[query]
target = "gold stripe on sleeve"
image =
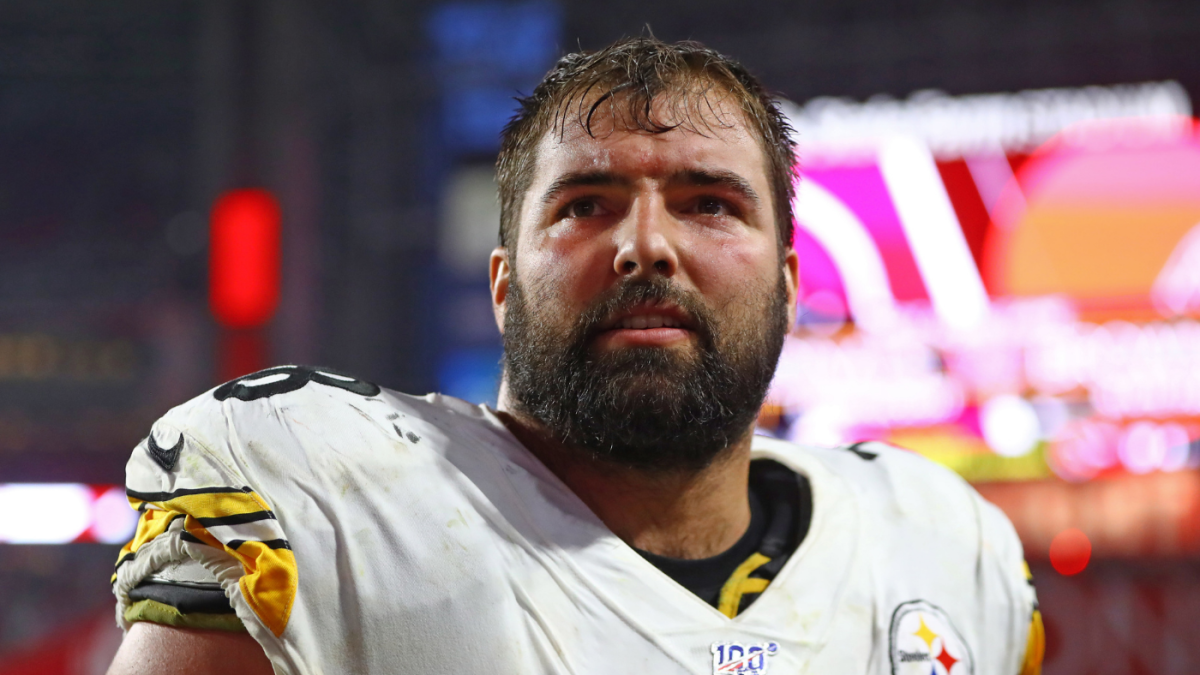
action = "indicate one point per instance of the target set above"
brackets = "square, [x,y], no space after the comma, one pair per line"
[157,612]
[1035,646]
[151,523]
[270,576]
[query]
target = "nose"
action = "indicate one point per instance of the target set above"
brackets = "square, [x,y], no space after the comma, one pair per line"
[646,241]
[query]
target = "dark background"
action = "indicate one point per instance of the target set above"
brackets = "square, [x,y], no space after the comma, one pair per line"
[121,121]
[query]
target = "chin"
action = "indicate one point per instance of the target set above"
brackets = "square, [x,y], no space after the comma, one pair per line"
[658,382]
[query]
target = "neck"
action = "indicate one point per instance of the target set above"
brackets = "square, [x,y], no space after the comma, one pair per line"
[692,514]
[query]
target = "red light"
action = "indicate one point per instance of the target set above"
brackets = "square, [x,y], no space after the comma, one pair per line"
[241,352]
[244,258]
[1070,551]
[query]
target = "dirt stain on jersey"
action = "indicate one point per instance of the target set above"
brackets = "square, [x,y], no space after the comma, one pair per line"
[461,520]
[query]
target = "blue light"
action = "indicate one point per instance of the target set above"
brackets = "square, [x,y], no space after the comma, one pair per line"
[474,117]
[496,39]
[471,374]
[487,53]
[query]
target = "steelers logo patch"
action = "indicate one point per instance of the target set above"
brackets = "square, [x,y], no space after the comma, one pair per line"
[922,641]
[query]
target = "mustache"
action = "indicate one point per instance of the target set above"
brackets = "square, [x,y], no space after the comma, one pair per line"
[633,292]
[649,409]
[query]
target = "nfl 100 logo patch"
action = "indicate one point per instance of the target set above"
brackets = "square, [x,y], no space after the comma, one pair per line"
[922,641]
[733,658]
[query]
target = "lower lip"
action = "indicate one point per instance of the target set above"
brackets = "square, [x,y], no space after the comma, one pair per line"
[644,337]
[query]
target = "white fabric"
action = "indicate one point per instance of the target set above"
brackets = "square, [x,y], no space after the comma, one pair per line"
[428,540]
[188,572]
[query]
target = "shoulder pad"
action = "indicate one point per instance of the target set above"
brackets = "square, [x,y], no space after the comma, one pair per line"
[895,481]
[193,476]
[286,379]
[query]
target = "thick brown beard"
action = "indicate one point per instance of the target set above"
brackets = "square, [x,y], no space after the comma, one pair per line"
[644,408]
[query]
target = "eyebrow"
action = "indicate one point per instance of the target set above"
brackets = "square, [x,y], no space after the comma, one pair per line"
[695,177]
[576,179]
[720,178]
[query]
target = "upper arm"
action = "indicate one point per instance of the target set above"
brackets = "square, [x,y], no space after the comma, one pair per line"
[199,509]
[1001,541]
[154,649]
[941,500]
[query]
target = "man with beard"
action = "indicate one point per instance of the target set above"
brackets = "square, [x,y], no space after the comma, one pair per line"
[616,512]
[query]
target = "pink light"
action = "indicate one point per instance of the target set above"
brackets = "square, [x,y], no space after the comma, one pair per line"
[818,273]
[861,188]
[63,513]
[844,238]
[113,521]
[933,232]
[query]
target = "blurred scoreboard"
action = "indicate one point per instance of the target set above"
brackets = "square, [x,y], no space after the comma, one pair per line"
[1009,284]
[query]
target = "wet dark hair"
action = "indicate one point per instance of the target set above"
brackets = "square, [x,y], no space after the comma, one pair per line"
[624,79]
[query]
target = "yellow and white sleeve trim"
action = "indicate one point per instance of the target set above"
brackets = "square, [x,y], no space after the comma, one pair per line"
[235,520]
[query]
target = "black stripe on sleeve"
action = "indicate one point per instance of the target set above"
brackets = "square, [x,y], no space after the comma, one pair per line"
[237,519]
[124,560]
[187,598]
[271,543]
[191,538]
[183,492]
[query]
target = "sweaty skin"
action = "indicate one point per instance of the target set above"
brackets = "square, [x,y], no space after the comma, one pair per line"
[601,208]
[693,207]
[154,649]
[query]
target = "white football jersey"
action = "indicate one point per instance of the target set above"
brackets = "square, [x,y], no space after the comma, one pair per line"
[358,530]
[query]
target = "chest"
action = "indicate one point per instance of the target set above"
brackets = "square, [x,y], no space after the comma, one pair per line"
[465,586]
[407,559]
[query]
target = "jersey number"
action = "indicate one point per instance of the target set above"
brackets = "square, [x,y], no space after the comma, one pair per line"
[284,379]
[857,449]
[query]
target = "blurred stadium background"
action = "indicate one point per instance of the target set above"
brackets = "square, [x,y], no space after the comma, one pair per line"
[999,228]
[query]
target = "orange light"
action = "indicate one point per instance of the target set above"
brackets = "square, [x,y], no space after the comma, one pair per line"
[244,258]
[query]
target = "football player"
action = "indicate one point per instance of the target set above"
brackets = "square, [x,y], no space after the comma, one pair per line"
[615,513]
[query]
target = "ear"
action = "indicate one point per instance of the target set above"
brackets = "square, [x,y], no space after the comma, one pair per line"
[791,274]
[498,273]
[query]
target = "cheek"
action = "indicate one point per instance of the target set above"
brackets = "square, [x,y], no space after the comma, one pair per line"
[727,267]
[565,271]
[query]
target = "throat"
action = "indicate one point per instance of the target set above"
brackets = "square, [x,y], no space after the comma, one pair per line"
[781,511]
[706,576]
[688,514]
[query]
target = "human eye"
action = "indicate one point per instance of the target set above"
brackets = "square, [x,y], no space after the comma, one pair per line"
[713,206]
[587,207]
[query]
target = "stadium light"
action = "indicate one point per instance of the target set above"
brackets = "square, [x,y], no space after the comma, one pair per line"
[64,513]
[244,262]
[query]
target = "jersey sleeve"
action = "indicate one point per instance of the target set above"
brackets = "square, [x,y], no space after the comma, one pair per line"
[199,509]
[1035,644]
[1010,637]
[1004,556]
[183,595]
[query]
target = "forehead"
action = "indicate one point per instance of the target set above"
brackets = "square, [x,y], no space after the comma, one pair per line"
[712,132]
